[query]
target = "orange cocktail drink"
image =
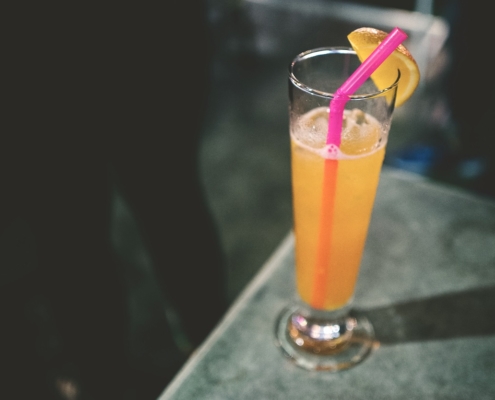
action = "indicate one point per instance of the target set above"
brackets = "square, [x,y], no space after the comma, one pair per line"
[327,267]
[341,102]
[333,190]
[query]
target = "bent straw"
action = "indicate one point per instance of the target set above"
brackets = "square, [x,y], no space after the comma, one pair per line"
[337,106]
[358,77]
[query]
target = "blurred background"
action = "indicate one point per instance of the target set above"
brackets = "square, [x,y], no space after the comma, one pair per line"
[443,132]
[245,161]
[244,152]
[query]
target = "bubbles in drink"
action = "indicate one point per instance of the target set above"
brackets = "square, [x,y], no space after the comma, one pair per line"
[312,128]
[361,133]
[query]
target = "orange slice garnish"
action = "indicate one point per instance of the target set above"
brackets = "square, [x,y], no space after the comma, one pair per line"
[365,40]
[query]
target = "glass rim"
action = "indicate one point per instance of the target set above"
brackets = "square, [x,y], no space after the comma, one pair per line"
[332,50]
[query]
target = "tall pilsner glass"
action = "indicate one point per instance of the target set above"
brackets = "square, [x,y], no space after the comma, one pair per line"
[333,192]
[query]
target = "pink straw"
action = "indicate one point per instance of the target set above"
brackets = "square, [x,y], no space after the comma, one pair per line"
[358,77]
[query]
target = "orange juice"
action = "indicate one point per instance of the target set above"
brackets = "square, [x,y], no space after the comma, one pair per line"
[330,241]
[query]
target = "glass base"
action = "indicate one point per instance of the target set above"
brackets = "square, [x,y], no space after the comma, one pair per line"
[321,340]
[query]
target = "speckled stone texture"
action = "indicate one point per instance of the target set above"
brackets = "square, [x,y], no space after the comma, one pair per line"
[427,283]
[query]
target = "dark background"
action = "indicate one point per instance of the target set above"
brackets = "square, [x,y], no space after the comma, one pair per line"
[240,155]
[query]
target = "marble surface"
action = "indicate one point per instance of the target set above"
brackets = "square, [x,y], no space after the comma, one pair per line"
[427,283]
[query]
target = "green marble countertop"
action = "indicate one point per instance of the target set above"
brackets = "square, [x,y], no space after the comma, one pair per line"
[427,283]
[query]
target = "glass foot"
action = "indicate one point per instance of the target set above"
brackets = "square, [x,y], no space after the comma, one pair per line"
[320,340]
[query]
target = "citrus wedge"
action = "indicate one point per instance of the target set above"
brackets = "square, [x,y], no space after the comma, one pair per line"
[365,40]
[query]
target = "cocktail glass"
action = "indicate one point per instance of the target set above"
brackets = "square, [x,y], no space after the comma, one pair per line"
[333,190]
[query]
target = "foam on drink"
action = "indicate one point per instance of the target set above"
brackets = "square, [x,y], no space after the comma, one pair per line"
[361,134]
